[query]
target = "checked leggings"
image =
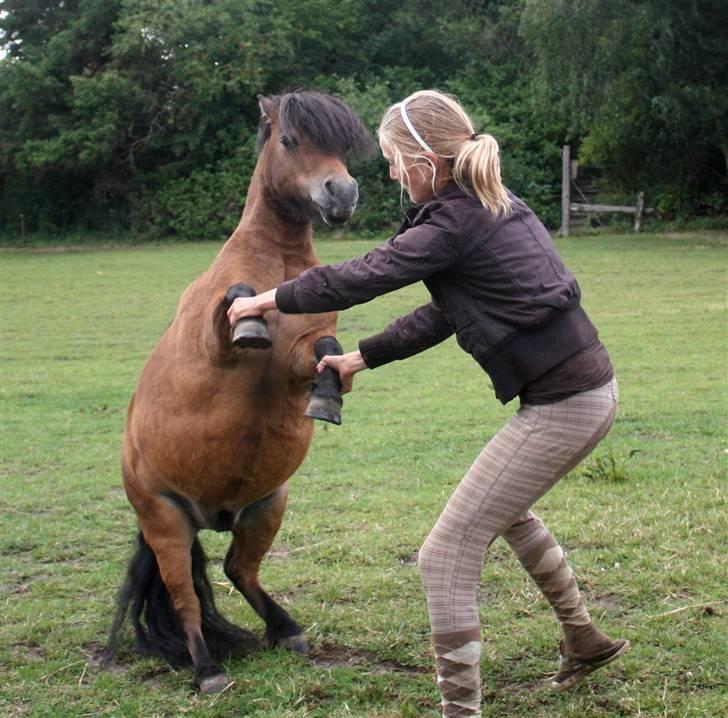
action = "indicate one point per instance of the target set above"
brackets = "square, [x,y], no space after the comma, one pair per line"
[538,446]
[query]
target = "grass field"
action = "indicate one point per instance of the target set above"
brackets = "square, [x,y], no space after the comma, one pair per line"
[644,522]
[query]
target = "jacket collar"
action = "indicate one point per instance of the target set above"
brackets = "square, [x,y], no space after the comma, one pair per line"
[451,190]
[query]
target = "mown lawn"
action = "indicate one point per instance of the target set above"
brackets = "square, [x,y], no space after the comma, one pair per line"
[644,525]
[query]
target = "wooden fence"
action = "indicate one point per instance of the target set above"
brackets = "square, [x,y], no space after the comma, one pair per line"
[568,207]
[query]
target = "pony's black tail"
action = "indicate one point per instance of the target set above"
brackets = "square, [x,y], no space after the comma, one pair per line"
[158,629]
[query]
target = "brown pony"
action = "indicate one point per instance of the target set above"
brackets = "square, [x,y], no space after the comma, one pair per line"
[220,419]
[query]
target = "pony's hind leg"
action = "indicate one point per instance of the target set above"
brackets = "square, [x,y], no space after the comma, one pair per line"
[250,332]
[325,401]
[170,535]
[253,532]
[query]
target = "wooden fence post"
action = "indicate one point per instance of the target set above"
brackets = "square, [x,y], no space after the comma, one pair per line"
[638,211]
[565,189]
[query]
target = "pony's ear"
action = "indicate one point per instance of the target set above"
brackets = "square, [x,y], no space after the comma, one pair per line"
[267,107]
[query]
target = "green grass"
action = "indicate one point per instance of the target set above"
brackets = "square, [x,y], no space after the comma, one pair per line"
[644,522]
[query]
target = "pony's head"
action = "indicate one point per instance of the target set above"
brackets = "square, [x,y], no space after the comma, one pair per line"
[303,141]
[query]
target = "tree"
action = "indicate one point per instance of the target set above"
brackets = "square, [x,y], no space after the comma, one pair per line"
[642,87]
[104,102]
[143,113]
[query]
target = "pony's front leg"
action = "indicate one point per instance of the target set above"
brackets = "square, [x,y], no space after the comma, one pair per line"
[325,402]
[249,332]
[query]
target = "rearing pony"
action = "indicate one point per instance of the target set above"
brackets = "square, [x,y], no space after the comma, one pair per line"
[220,418]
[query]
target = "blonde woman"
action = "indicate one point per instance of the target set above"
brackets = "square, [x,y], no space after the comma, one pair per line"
[498,284]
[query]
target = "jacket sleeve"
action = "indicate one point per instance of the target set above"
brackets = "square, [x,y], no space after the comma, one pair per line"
[405,259]
[406,336]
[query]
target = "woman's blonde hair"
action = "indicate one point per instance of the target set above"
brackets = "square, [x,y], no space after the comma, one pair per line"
[438,123]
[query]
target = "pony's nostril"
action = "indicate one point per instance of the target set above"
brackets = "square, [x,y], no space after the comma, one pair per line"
[341,191]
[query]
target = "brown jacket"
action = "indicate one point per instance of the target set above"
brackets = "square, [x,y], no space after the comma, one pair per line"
[498,283]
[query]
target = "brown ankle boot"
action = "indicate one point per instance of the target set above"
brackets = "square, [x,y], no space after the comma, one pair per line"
[585,640]
[573,667]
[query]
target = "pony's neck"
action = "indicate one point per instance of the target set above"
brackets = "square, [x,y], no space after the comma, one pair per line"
[263,222]
[265,238]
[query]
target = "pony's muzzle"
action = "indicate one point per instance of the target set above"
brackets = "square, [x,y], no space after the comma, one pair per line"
[336,199]
[342,192]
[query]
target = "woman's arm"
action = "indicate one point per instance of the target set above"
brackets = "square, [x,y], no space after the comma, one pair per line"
[411,334]
[409,257]
[404,337]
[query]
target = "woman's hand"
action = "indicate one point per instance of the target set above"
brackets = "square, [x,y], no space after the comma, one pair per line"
[251,306]
[346,365]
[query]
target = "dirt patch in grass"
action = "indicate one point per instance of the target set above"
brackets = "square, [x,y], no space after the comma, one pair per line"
[608,601]
[17,709]
[592,544]
[31,651]
[407,559]
[516,689]
[332,656]
[279,552]
[22,583]
[100,660]
[126,663]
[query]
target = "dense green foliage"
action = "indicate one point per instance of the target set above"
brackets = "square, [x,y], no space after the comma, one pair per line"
[643,86]
[143,113]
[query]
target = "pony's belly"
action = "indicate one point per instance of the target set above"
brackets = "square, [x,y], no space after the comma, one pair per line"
[223,463]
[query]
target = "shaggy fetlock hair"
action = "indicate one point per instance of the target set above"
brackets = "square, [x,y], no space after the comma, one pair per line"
[145,599]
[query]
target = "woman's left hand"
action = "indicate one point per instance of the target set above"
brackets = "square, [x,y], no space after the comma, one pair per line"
[346,365]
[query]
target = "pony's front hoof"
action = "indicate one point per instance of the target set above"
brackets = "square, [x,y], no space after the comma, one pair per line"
[324,409]
[214,684]
[251,333]
[297,643]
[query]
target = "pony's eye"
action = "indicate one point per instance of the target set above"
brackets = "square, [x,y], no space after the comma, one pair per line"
[288,142]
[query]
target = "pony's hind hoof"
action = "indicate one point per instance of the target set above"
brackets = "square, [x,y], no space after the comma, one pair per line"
[214,684]
[324,409]
[251,333]
[297,644]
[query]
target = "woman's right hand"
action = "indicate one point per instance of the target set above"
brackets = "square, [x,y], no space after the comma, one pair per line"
[346,365]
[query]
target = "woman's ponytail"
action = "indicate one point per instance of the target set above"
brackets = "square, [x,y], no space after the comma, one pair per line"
[477,168]
[430,121]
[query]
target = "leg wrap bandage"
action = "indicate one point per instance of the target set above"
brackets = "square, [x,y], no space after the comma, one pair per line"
[457,658]
[542,557]
[545,562]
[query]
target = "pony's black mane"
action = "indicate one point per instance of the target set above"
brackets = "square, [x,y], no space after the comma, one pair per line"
[324,120]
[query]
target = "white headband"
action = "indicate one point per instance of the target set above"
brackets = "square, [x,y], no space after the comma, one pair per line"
[413,131]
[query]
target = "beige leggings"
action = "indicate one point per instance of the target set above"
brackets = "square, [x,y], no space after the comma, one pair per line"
[538,446]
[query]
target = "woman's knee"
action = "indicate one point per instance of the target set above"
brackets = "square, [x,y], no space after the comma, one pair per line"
[433,562]
[424,559]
